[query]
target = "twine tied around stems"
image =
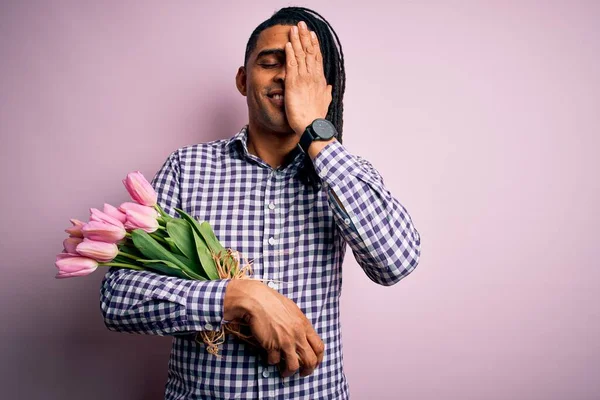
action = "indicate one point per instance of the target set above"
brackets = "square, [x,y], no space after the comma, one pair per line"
[229,266]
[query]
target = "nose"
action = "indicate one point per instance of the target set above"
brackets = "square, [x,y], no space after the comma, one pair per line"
[280,75]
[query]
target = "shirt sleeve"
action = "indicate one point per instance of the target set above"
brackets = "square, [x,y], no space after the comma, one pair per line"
[149,303]
[377,227]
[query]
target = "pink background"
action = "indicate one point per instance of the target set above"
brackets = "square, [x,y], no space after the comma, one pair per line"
[482,117]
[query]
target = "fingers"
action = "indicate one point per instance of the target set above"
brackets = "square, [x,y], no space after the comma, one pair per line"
[291,68]
[308,358]
[316,344]
[307,45]
[281,328]
[298,51]
[292,364]
[306,49]
[318,63]
[274,357]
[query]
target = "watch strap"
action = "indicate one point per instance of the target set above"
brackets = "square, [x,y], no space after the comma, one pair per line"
[306,139]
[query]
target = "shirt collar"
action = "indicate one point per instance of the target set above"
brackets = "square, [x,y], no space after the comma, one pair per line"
[298,165]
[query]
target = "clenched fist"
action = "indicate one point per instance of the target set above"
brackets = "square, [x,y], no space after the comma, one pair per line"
[277,324]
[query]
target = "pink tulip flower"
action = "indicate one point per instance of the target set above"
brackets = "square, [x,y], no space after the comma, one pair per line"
[114,212]
[74,266]
[97,215]
[71,243]
[138,208]
[103,232]
[99,251]
[75,230]
[137,220]
[140,189]
[66,255]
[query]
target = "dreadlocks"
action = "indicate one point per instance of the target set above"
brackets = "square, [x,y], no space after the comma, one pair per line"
[333,57]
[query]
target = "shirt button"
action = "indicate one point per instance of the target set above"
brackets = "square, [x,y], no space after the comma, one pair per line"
[272,241]
[265,373]
[272,285]
[347,221]
[324,171]
[271,206]
[209,327]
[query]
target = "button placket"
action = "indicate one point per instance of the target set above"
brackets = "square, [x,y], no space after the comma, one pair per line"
[270,216]
[271,225]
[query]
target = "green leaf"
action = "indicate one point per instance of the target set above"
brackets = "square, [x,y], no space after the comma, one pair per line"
[190,220]
[210,238]
[173,246]
[170,269]
[208,263]
[194,266]
[151,249]
[130,249]
[123,260]
[181,233]
[202,249]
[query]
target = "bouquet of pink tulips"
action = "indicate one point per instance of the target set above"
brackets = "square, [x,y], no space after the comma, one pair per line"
[139,235]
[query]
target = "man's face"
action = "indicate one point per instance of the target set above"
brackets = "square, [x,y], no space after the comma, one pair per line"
[262,81]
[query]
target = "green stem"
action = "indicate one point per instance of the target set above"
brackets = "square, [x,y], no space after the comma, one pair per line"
[161,211]
[115,264]
[158,238]
[122,253]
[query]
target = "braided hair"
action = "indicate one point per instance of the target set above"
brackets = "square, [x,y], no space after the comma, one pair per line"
[333,57]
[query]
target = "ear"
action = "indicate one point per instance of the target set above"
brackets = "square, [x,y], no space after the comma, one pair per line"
[240,80]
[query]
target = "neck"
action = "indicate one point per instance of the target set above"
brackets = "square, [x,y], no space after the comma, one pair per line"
[271,147]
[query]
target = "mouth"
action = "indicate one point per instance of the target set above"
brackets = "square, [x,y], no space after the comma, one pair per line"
[276,99]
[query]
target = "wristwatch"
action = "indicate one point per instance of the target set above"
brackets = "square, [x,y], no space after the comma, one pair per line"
[319,129]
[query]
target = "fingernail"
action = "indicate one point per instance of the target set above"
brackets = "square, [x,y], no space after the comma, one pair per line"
[302,24]
[313,34]
[294,30]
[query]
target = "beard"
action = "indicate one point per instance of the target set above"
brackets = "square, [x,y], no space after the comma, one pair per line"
[272,118]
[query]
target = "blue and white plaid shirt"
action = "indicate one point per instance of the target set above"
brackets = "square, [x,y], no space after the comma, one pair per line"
[295,231]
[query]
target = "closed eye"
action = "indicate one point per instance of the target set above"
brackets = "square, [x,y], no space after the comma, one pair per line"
[269,65]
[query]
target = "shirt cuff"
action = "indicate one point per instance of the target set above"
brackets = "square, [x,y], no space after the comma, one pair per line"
[334,164]
[204,305]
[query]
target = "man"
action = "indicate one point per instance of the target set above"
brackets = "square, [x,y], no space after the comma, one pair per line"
[285,193]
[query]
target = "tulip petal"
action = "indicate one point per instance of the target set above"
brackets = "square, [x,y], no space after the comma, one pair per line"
[140,190]
[70,243]
[103,232]
[99,251]
[137,220]
[75,266]
[97,215]
[61,256]
[148,211]
[114,212]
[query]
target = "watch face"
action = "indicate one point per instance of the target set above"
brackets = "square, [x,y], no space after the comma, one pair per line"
[324,129]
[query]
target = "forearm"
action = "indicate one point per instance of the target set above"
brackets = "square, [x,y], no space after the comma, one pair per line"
[377,227]
[148,303]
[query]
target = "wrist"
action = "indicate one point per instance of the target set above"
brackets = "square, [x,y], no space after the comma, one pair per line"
[316,147]
[238,301]
[317,136]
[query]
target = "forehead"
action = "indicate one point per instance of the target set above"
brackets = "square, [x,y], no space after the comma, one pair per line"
[274,37]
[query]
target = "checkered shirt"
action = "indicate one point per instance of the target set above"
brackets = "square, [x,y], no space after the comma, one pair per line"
[296,232]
